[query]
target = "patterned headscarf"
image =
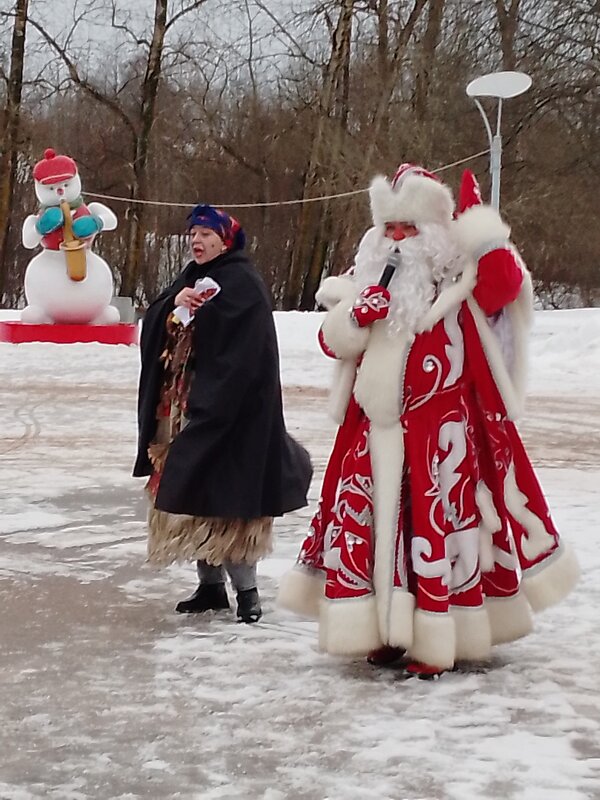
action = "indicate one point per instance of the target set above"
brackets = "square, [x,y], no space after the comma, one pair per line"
[227,227]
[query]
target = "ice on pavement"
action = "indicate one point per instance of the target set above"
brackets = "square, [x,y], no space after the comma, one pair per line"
[107,693]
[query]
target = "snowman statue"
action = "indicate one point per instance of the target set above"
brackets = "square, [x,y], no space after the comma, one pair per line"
[66,282]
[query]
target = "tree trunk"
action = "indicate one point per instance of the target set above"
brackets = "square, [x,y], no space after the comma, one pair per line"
[308,254]
[508,19]
[10,135]
[387,90]
[383,46]
[137,232]
[430,41]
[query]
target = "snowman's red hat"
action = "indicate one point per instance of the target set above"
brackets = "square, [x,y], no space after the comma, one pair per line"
[414,195]
[53,168]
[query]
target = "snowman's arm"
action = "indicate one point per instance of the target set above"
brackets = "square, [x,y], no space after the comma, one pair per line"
[30,237]
[108,217]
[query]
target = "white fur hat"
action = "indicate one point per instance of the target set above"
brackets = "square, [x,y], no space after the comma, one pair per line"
[414,195]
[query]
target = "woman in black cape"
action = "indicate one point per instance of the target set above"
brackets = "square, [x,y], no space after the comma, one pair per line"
[211,432]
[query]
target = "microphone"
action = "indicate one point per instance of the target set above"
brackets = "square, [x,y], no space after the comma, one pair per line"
[393,262]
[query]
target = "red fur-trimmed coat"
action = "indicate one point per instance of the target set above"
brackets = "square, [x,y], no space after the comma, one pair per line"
[432,532]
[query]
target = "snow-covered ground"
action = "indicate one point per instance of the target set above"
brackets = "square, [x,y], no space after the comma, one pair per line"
[107,693]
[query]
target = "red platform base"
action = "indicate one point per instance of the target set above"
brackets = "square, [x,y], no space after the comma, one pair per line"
[22,332]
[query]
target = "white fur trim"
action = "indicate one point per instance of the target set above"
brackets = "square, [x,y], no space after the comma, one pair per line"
[335,289]
[387,458]
[521,318]
[479,226]
[402,608]
[322,628]
[341,389]
[523,305]
[510,618]
[417,199]
[452,296]
[549,582]
[341,335]
[301,591]
[349,626]
[434,639]
[512,392]
[378,386]
[473,633]
[379,380]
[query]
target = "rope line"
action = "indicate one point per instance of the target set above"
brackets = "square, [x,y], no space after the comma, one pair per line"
[319,199]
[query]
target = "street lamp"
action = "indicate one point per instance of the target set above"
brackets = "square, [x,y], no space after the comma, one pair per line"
[501,85]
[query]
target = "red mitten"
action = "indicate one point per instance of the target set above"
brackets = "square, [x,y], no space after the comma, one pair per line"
[499,280]
[372,304]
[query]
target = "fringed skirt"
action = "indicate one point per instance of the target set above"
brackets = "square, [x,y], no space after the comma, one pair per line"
[179,537]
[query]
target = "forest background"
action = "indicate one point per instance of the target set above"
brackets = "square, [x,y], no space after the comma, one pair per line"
[259,101]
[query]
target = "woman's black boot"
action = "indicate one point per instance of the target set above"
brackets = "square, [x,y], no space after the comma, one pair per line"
[207,597]
[248,606]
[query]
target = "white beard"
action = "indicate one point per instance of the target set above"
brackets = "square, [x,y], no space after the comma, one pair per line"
[428,261]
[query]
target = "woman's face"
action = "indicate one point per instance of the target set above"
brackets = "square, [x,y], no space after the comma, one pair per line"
[205,244]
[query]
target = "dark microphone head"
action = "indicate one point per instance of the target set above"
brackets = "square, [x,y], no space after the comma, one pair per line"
[393,262]
[386,275]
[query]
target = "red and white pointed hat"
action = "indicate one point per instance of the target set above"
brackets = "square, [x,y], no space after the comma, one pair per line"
[470,193]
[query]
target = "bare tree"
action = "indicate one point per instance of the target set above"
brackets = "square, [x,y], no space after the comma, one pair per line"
[10,132]
[426,57]
[299,100]
[309,252]
[507,12]
[138,122]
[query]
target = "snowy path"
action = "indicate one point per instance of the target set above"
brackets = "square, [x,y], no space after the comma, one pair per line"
[107,693]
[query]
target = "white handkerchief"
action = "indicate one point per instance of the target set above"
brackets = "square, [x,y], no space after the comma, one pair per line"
[208,288]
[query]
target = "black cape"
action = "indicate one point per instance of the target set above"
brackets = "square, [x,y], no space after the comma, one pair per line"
[234,458]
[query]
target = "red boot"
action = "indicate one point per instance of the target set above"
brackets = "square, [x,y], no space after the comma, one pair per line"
[425,672]
[384,655]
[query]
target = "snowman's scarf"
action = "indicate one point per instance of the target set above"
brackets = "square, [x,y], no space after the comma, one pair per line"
[73,204]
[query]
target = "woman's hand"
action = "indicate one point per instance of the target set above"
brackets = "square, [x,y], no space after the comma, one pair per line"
[190,299]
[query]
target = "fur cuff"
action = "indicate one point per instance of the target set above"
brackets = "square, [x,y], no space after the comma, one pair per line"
[335,289]
[401,619]
[378,387]
[349,626]
[509,617]
[341,335]
[473,634]
[301,591]
[480,229]
[434,639]
[549,582]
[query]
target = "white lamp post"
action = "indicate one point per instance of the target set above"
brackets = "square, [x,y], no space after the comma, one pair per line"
[501,85]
